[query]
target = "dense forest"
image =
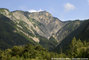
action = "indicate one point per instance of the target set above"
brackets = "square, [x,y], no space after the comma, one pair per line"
[77,49]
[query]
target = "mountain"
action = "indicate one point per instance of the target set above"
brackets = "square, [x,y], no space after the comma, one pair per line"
[67,29]
[78,29]
[37,27]
[50,24]
[8,35]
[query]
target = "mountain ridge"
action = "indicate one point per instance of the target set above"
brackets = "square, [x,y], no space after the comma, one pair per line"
[41,28]
[30,27]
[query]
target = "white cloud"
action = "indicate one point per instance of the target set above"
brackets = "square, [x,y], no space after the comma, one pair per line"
[32,10]
[88,2]
[69,7]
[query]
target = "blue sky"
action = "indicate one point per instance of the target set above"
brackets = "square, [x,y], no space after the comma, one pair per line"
[63,9]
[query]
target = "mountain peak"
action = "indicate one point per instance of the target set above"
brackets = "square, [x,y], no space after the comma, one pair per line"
[2,9]
[42,13]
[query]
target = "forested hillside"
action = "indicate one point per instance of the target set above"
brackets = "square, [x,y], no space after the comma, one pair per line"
[81,32]
[77,49]
[40,36]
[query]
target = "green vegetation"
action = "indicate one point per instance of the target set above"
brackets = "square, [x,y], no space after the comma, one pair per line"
[8,36]
[47,43]
[68,47]
[79,29]
[27,52]
[24,28]
[35,22]
[77,49]
[2,11]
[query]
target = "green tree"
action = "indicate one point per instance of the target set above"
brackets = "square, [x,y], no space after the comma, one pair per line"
[73,47]
[17,50]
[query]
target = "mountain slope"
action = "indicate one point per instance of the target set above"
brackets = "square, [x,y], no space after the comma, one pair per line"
[33,30]
[50,24]
[81,32]
[8,35]
[69,27]
[22,27]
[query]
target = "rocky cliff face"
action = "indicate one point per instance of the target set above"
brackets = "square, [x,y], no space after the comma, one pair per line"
[41,27]
[38,26]
[50,24]
[69,27]
[42,22]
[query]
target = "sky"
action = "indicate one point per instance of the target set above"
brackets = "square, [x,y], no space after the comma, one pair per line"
[62,9]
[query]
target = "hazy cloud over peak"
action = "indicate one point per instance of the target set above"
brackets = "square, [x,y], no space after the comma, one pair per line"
[69,6]
[33,10]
